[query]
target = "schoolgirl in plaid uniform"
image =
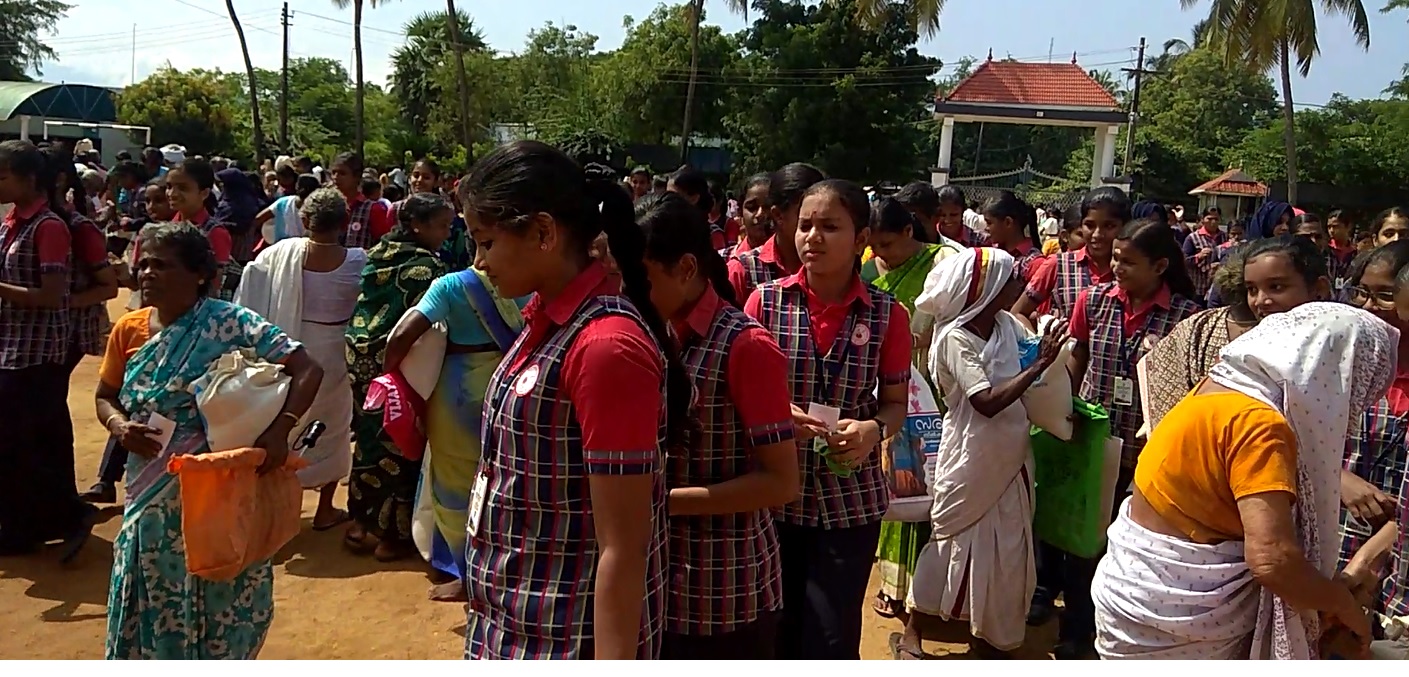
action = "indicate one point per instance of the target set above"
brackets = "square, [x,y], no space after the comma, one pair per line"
[1376,453]
[777,257]
[91,282]
[367,220]
[566,521]
[1012,227]
[725,573]
[1113,331]
[188,189]
[1201,249]
[843,339]
[38,500]
[1060,279]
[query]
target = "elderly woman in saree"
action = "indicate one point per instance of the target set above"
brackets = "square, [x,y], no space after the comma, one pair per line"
[399,271]
[978,565]
[482,326]
[156,609]
[1269,276]
[1227,548]
[899,264]
[309,286]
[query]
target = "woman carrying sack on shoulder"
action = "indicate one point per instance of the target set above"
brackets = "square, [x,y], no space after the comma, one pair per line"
[156,609]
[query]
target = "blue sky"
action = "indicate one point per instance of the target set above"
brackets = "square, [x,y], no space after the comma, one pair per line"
[95,40]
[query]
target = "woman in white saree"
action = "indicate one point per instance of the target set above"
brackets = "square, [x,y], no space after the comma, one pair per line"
[308,287]
[1209,558]
[978,565]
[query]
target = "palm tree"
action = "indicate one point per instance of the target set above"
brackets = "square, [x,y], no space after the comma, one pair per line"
[254,89]
[413,81]
[1177,47]
[1267,33]
[360,134]
[922,14]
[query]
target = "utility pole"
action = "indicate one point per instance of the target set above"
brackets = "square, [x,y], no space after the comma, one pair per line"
[284,85]
[133,81]
[1138,71]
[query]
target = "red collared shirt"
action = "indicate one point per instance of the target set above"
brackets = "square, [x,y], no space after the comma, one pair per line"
[52,239]
[1044,280]
[756,374]
[767,253]
[611,373]
[740,248]
[1133,319]
[220,241]
[1027,260]
[378,216]
[827,320]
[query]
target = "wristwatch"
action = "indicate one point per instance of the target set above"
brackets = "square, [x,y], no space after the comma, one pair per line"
[885,431]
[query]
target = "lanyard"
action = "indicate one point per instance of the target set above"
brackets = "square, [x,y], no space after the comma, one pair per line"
[1128,348]
[829,371]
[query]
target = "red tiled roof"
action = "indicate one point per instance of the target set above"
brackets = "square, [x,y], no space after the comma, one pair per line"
[1032,84]
[1233,182]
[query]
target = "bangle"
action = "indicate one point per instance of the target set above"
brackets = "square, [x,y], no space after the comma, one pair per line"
[108,424]
[291,415]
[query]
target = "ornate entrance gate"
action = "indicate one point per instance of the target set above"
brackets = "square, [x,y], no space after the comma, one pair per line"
[1038,188]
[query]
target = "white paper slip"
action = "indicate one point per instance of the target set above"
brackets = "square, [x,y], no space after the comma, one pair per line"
[166,428]
[827,415]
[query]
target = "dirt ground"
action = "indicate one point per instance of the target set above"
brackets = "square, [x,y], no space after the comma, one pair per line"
[329,604]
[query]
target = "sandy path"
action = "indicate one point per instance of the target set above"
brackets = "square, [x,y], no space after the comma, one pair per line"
[329,603]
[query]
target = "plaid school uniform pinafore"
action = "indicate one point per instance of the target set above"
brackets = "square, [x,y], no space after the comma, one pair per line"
[29,336]
[1115,355]
[1377,454]
[845,378]
[724,569]
[87,325]
[1394,591]
[1073,277]
[1202,275]
[531,565]
[757,271]
[359,226]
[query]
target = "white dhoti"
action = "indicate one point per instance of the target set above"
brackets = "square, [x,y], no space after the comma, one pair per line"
[984,574]
[1159,597]
[331,459]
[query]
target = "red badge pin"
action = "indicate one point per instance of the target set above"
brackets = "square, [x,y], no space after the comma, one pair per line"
[861,335]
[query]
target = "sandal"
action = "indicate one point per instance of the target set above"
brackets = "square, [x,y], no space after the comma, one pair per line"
[358,542]
[454,591]
[900,652]
[343,517]
[885,607]
[391,551]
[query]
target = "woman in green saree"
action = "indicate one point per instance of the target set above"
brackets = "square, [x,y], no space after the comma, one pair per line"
[400,269]
[156,608]
[899,265]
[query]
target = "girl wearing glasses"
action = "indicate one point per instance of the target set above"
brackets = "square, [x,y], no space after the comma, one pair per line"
[1375,456]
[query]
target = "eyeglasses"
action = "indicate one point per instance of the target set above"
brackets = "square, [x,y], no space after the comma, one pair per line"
[1384,300]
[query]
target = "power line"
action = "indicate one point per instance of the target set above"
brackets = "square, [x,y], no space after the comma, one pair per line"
[222,15]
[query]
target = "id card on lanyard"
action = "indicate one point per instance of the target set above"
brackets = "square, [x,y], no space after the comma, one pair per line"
[829,371]
[1123,388]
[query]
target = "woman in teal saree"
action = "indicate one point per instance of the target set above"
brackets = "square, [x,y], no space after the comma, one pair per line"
[156,609]
[899,265]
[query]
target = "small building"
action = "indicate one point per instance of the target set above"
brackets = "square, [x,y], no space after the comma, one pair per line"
[1233,192]
[1022,93]
[39,110]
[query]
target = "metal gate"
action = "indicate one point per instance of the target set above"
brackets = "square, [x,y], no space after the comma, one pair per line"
[1037,188]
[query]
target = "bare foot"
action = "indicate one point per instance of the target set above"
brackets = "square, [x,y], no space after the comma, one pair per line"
[453,591]
[391,551]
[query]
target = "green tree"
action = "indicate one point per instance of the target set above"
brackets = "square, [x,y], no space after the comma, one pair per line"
[414,64]
[1268,33]
[650,74]
[21,49]
[192,108]
[815,86]
[1196,109]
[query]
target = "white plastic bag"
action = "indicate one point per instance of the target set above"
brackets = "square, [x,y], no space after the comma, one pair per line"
[423,515]
[422,364]
[239,398]
[1048,399]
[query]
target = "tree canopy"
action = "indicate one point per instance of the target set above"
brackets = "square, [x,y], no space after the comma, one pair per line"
[21,49]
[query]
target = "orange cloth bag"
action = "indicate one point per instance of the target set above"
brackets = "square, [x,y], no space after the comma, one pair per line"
[232,518]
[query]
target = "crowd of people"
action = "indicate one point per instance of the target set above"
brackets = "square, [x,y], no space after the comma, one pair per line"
[656,429]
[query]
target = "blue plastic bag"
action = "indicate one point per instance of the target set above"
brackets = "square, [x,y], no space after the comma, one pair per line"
[1028,350]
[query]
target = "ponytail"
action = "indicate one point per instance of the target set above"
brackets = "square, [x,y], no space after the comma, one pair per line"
[672,228]
[1155,240]
[628,246]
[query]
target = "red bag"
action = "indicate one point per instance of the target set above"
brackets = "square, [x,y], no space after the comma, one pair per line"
[403,413]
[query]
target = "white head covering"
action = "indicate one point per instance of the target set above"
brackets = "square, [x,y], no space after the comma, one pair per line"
[173,153]
[959,287]
[1322,365]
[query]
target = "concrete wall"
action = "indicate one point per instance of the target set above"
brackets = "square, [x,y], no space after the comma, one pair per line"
[108,141]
